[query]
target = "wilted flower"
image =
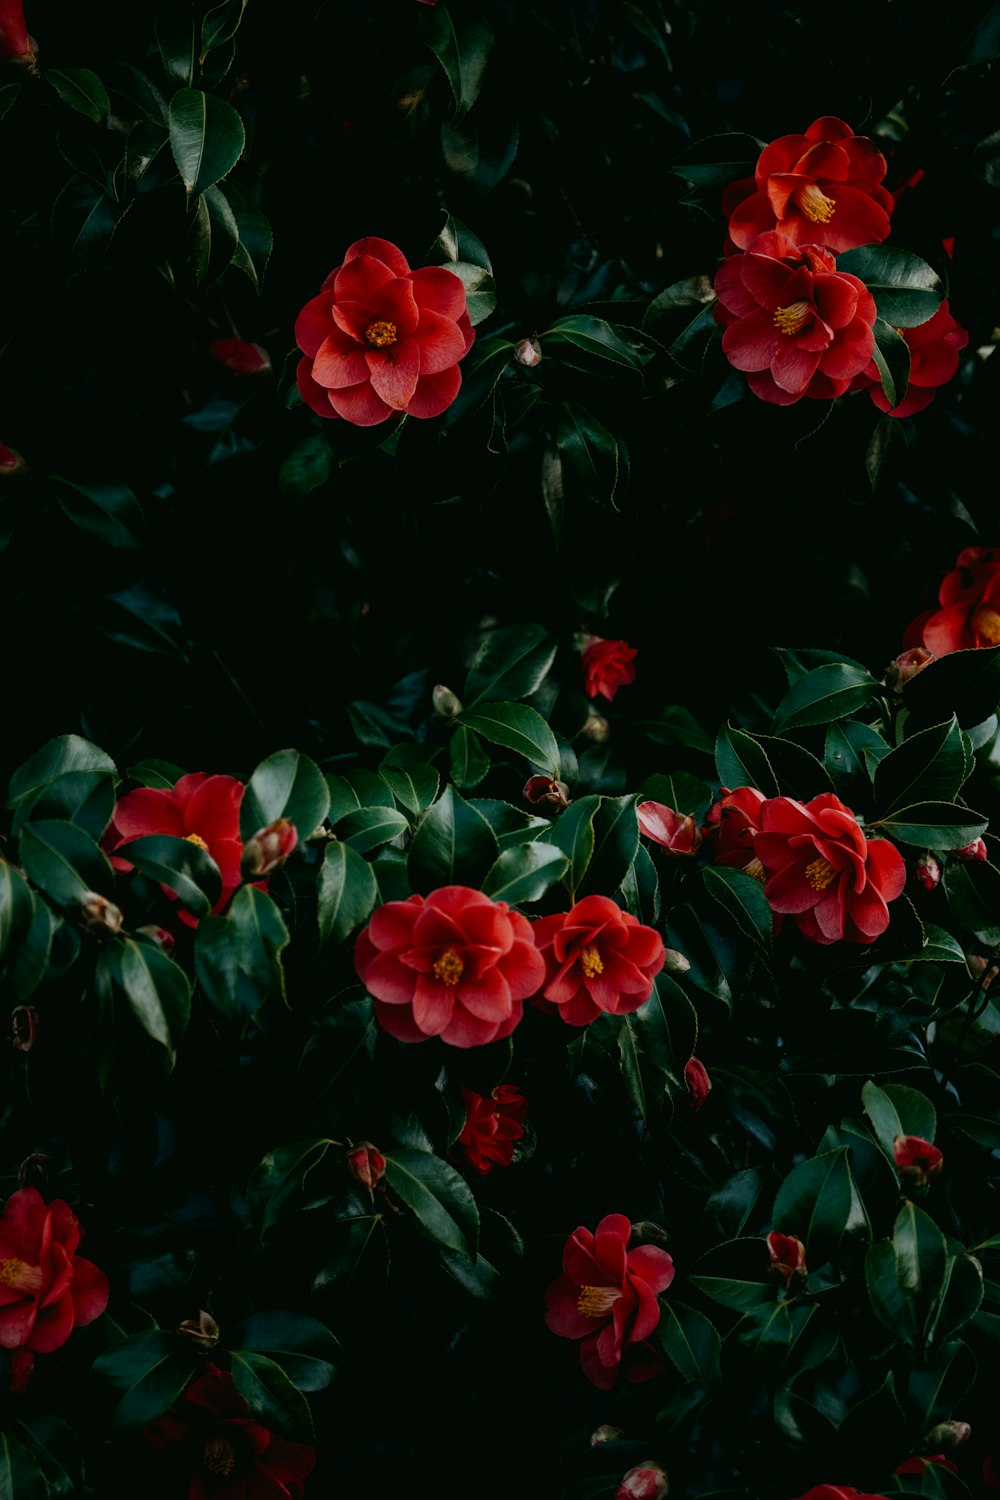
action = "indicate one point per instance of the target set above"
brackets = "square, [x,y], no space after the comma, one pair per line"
[545,790]
[202,1331]
[917,1161]
[493,1124]
[99,913]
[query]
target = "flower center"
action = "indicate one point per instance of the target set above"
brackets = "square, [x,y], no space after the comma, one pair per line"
[820,873]
[791,318]
[755,870]
[986,623]
[814,203]
[220,1455]
[449,968]
[381,333]
[590,961]
[21,1277]
[596,1301]
[197,840]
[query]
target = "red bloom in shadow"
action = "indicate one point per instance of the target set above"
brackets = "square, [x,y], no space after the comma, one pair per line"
[837,1492]
[607,1297]
[824,871]
[731,826]
[699,1085]
[493,1124]
[821,187]
[203,809]
[969,596]
[15,43]
[229,1455]
[607,666]
[381,338]
[46,1289]
[796,325]
[597,958]
[453,964]
[934,349]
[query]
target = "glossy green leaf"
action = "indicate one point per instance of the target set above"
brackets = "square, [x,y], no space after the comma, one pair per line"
[285,785]
[157,990]
[906,289]
[826,693]
[353,790]
[238,957]
[369,827]
[974,897]
[597,341]
[63,861]
[109,512]
[462,46]
[453,845]
[744,899]
[309,465]
[517,727]
[690,1342]
[16,909]
[469,762]
[616,839]
[270,1394]
[681,791]
[593,462]
[482,367]
[82,90]
[305,1349]
[437,1196]
[892,360]
[524,872]
[934,825]
[277,1186]
[180,865]
[145,1374]
[345,894]
[798,772]
[963,683]
[741,761]
[414,785]
[220,24]
[206,137]
[511,663]
[814,1203]
[573,833]
[480,290]
[175,35]
[84,218]
[896,1109]
[849,745]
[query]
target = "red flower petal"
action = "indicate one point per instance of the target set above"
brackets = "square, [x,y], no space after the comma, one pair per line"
[395,302]
[390,255]
[314,323]
[339,362]
[435,393]
[358,278]
[440,291]
[393,372]
[360,404]
[441,343]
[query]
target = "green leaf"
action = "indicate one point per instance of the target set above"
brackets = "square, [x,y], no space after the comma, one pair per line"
[20,1476]
[690,1342]
[238,957]
[82,90]
[356,789]
[309,465]
[142,621]
[184,868]
[481,369]
[573,833]
[175,36]
[849,744]
[305,1349]
[63,861]
[930,765]
[270,1394]
[285,785]
[109,512]
[16,908]
[9,95]
[456,242]
[935,825]
[940,947]
[462,47]
[157,990]
[345,894]
[414,785]
[667,1028]
[277,1186]
[220,24]
[453,844]
[824,694]
[511,663]
[718,160]
[923,1268]
[799,773]
[684,793]
[974,897]
[516,727]
[906,289]
[206,137]
[894,1109]
[524,872]
[439,1199]
[741,761]
[146,1373]
[744,899]
[814,1204]
[26,969]
[616,839]
[892,359]
[599,341]
[965,683]
[480,290]
[591,457]
[84,217]
[469,762]
[369,827]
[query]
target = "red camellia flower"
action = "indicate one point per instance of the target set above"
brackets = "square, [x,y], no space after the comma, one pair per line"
[203,809]
[241,358]
[647,1481]
[366,1164]
[796,325]
[821,187]
[969,597]
[454,964]
[837,1492]
[381,338]
[226,1452]
[970,854]
[607,1297]
[918,1465]
[597,958]
[927,872]
[492,1125]
[906,665]
[787,1256]
[731,826]
[678,833]
[46,1289]
[699,1085]
[934,350]
[917,1161]
[607,666]
[824,871]
[15,43]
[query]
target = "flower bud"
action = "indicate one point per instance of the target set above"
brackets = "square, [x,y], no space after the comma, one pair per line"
[159,935]
[25,1026]
[917,1161]
[268,849]
[787,1256]
[927,872]
[528,353]
[605,1434]
[971,852]
[366,1164]
[647,1481]
[16,45]
[597,729]
[241,358]
[445,702]
[100,914]
[544,791]
[678,833]
[11,462]
[202,1331]
[948,1435]
[674,962]
[906,666]
[35,1172]
[698,1082]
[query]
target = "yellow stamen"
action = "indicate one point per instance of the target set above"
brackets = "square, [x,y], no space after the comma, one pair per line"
[381,333]
[20,1276]
[814,203]
[449,968]
[755,870]
[820,873]
[220,1455]
[986,621]
[596,1301]
[197,840]
[590,961]
[791,318]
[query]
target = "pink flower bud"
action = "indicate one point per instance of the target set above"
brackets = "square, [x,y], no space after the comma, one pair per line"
[366,1164]
[597,729]
[906,666]
[971,852]
[787,1256]
[543,790]
[160,935]
[100,914]
[647,1481]
[528,353]
[675,962]
[445,702]
[15,43]
[202,1331]
[677,832]
[35,1172]
[10,461]
[25,1025]
[927,872]
[268,849]
[605,1434]
[698,1082]
[241,358]
[917,1161]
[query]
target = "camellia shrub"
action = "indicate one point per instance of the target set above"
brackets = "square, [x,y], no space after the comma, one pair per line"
[570,1070]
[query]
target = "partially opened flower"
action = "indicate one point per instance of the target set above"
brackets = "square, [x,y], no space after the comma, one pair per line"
[969,616]
[46,1289]
[676,832]
[918,1162]
[381,338]
[597,958]
[731,826]
[607,1298]
[934,353]
[787,1257]
[240,357]
[607,666]
[494,1123]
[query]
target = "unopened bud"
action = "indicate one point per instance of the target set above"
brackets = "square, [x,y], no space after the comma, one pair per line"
[25,1027]
[445,702]
[366,1164]
[545,791]
[917,1161]
[528,353]
[203,1331]
[927,872]
[11,462]
[605,1434]
[100,914]
[160,935]
[16,45]
[35,1171]
[675,962]
[241,358]
[906,666]
[268,849]
[647,1481]
[972,852]
[596,728]
[698,1082]
[787,1256]
[948,1435]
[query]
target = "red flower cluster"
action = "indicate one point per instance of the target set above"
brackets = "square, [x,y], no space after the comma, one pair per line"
[607,666]
[493,1124]
[934,349]
[203,809]
[229,1455]
[454,964]
[381,338]
[607,1297]
[969,615]
[46,1289]
[597,958]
